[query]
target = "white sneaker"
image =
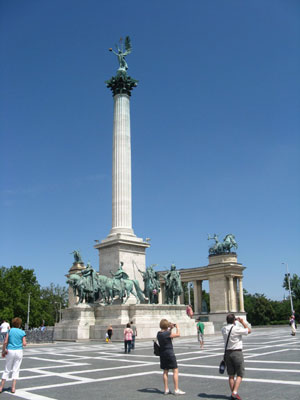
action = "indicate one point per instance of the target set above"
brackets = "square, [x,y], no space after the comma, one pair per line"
[178,392]
[167,392]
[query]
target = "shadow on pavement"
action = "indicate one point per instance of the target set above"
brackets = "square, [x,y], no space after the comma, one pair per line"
[213,396]
[151,390]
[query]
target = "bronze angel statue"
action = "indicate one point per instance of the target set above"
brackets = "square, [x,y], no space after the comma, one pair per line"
[122,53]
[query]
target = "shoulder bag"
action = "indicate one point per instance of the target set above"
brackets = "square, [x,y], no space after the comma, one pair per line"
[222,365]
[156,348]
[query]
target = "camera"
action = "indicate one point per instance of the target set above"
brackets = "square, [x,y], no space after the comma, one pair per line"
[171,325]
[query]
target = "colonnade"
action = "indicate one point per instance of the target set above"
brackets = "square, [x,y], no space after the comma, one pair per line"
[225,276]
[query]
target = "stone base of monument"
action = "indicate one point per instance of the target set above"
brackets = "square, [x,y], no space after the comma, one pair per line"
[219,319]
[146,317]
[75,323]
[84,322]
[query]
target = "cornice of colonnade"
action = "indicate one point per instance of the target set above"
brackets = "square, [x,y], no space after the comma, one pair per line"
[204,273]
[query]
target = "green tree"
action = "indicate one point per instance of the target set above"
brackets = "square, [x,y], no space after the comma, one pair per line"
[53,298]
[16,284]
[282,310]
[295,285]
[259,309]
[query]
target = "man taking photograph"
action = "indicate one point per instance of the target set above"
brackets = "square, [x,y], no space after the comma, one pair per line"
[234,355]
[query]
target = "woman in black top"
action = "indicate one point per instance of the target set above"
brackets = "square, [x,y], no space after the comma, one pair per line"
[167,356]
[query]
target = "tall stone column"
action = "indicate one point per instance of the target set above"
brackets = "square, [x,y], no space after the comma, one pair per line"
[121,169]
[122,245]
[241,295]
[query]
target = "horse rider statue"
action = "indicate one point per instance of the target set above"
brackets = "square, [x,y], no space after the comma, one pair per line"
[118,279]
[173,285]
[151,284]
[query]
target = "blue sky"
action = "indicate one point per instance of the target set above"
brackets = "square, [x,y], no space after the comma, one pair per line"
[214,123]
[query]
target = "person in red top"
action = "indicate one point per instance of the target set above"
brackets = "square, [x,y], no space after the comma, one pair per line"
[189,311]
[127,338]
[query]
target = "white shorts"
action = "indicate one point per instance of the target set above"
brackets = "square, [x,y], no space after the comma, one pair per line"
[13,360]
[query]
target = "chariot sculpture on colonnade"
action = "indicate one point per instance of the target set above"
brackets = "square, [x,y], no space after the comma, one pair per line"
[222,247]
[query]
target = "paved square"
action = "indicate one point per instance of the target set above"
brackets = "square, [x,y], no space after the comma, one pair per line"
[102,371]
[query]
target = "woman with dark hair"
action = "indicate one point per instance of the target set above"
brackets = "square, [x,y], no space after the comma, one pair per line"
[109,333]
[12,350]
[167,356]
[127,338]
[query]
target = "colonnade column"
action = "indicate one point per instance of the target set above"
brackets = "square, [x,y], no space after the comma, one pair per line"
[241,295]
[197,296]
[231,293]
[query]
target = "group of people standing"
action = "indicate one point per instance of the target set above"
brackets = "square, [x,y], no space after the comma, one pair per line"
[130,333]
[232,334]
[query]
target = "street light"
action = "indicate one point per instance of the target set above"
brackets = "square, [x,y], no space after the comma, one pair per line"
[289,283]
[28,312]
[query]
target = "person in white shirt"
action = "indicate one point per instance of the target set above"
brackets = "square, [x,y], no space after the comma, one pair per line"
[4,327]
[234,355]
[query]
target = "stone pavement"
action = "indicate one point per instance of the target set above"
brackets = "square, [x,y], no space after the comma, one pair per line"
[97,370]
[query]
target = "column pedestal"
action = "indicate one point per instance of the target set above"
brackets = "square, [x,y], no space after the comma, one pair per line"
[131,251]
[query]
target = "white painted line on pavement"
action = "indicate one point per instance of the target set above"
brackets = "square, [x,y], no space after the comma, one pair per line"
[272,381]
[247,369]
[110,378]
[30,396]
[264,354]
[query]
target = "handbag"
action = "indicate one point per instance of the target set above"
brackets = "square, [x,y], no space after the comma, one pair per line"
[222,365]
[156,348]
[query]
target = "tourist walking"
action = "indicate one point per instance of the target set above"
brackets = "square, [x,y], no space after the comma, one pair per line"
[12,350]
[4,327]
[234,352]
[127,338]
[167,357]
[293,325]
[134,334]
[200,333]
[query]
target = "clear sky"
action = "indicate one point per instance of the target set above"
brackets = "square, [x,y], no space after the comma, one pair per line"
[214,124]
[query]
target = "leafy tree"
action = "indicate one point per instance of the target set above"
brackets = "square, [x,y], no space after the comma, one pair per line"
[53,298]
[295,285]
[16,285]
[259,309]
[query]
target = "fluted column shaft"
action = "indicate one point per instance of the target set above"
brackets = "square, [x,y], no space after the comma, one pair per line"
[241,295]
[231,294]
[121,169]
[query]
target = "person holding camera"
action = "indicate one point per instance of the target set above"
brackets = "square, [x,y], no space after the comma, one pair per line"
[167,357]
[234,352]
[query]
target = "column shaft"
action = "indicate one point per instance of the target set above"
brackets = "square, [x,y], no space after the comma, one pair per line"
[241,295]
[197,296]
[231,294]
[121,169]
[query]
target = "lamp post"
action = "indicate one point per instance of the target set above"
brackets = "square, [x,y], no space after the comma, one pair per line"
[28,312]
[289,283]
